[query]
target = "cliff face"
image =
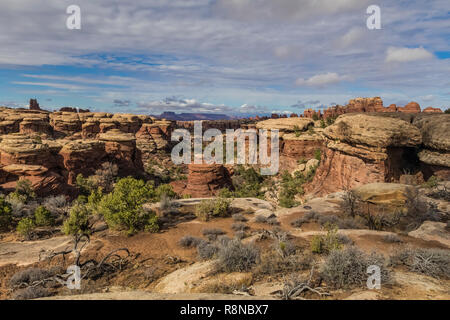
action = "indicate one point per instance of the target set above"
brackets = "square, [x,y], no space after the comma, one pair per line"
[363,149]
[51,149]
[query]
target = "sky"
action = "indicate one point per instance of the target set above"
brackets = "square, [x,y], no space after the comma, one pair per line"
[236,57]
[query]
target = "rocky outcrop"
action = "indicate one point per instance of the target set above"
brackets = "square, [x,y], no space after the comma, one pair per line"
[51,149]
[82,156]
[435,156]
[34,105]
[24,157]
[121,149]
[285,124]
[362,149]
[412,107]
[204,180]
[432,110]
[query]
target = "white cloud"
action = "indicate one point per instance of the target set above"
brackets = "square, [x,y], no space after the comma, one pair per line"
[394,54]
[321,80]
[350,37]
[182,105]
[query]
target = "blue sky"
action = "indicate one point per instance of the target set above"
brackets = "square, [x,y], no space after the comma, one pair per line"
[225,56]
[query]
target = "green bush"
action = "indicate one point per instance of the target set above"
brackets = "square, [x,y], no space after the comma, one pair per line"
[23,192]
[43,217]
[431,183]
[122,208]
[85,185]
[327,243]
[318,154]
[78,221]
[247,183]
[164,190]
[25,227]
[218,207]
[290,187]
[5,215]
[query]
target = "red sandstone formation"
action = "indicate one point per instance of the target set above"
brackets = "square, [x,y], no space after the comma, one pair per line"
[432,110]
[204,180]
[51,149]
[362,149]
[412,107]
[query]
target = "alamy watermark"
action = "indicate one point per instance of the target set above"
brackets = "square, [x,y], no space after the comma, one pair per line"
[374,20]
[236,143]
[73,22]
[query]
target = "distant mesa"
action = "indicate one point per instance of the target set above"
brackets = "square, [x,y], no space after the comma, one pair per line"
[71,109]
[169,115]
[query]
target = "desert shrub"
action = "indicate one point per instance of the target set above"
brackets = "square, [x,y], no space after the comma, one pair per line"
[318,154]
[297,223]
[326,243]
[56,204]
[344,129]
[164,190]
[273,221]
[25,190]
[418,210]
[432,182]
[78,221]
[30,293]
[391,238]
[207,250]
[431,262]
[28,276]
[315,116]
[328,219]
[290,187]
[43,217]
[189,241]
[247,183]
[348,268]
[105,176]
[225,193]
[238,226]
[122,208]
[350,223]
[219,207]
[283,257]
[234,256]
[85,185]
[331,120]
[25,227]
[260,219]
[240,235]
[343,239]
[447,111]
[239,217]
[166,204]
[5,215]
[350,203]
[212,233]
